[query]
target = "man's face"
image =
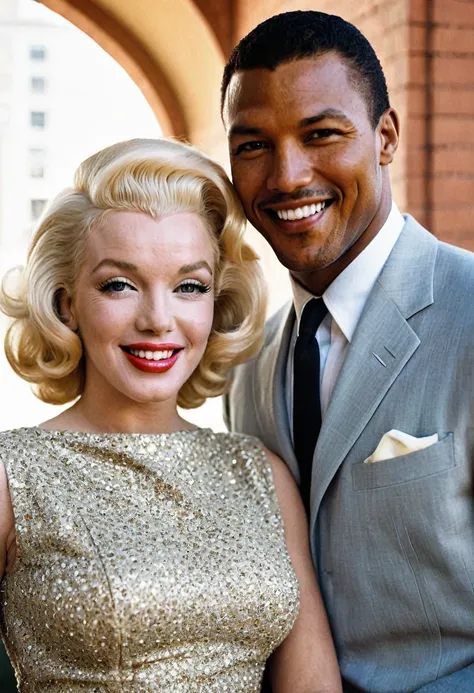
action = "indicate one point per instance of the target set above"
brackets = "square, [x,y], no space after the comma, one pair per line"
[306,160]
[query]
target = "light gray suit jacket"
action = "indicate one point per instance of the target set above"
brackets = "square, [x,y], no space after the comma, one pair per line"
[393,541]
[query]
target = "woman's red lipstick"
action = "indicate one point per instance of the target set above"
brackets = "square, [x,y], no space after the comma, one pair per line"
[152,365]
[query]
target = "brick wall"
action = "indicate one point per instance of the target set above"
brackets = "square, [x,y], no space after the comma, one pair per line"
[453,121]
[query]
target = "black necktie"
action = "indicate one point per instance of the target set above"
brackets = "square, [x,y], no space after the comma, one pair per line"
[306,392]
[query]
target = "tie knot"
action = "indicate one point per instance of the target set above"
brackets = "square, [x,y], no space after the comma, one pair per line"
[313,315]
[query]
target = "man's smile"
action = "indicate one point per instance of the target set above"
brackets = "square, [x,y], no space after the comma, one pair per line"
[297,218]
[300,212]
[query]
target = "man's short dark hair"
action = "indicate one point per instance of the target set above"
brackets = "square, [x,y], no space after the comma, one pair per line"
[307,34]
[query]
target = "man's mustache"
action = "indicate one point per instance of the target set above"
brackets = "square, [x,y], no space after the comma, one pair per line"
[278,198]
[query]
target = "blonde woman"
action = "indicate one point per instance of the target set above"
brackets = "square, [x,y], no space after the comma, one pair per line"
[140,553]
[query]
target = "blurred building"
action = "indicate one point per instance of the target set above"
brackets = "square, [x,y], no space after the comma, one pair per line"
[61,98]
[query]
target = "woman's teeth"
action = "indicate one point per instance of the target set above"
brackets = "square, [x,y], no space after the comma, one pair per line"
[152,355]
[300,212]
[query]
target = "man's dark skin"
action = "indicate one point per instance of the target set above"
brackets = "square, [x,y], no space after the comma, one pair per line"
[302,134]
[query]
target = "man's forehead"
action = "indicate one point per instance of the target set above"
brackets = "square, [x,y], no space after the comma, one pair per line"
[303,79]
[317,84]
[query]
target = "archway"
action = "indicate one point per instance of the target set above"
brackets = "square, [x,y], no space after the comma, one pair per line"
[170,51]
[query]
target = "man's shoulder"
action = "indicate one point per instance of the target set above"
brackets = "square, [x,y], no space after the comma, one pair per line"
[452,258]
[272,340]
[448,255]
[454,276]
[275,322]
[452,267]
[452,306]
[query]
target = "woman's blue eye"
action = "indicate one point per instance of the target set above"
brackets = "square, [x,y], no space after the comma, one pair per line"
[192,288]
[116,286]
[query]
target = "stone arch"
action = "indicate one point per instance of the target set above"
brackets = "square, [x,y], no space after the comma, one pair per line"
[171,52]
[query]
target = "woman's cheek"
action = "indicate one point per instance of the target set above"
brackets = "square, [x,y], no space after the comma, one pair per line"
[206,321]
[113,311]
[198,320]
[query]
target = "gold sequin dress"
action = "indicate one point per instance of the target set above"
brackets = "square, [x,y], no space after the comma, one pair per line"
[145,563]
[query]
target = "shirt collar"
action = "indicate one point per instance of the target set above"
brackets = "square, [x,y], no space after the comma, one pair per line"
[346,297]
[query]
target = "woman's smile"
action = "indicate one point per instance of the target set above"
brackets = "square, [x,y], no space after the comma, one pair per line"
[152,358]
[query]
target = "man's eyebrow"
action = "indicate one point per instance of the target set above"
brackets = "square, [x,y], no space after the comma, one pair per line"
[120,264]
[186,269]
[243,130]
[327,113]
[312,120]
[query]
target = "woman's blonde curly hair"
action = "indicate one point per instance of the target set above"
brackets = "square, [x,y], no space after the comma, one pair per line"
[159,178]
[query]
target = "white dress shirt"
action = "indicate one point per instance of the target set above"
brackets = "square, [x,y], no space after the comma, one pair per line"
[345,300]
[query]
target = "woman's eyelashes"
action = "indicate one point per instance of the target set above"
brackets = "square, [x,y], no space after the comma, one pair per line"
[193,287]
[120,285]
[116,285]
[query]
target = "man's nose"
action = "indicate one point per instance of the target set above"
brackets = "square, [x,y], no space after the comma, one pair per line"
[290,169]
[156,313]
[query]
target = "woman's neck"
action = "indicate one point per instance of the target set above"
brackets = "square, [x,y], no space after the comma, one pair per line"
[92,414]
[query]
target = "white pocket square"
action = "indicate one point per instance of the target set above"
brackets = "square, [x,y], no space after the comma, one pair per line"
[396,443]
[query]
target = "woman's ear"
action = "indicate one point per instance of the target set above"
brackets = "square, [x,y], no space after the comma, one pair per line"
[66,310]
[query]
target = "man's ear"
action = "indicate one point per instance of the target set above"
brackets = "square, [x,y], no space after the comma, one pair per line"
[389,133]
[66,310]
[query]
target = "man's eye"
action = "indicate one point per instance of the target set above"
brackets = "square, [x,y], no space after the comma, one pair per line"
[323,134]
[250,147]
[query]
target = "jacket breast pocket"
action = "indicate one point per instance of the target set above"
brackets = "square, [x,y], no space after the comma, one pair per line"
[400,470]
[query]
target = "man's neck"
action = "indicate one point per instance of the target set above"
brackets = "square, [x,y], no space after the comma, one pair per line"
[316,282]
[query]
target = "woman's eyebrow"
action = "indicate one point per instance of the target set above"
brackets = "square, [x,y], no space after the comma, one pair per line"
[202,264]
[121,264]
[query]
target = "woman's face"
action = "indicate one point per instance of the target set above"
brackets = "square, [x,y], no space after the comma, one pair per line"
[144,305]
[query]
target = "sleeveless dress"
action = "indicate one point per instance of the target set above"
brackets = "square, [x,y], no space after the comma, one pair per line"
[145,563]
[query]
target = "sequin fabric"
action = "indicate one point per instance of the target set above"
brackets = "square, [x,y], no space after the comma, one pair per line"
[145,563]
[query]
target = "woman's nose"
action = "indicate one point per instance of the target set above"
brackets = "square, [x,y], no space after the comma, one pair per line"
[156,314]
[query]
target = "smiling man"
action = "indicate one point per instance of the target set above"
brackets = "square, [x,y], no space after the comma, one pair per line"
[365,385]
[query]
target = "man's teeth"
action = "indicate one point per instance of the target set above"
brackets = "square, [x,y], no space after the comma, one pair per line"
[152,355]
[300,212]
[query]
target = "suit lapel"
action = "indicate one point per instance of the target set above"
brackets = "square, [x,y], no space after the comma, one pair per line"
[382,345]
[269,392]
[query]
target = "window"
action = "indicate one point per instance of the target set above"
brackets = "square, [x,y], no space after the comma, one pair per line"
[37,85]
[38,119]
[37,207]
[37,52]
[37,161]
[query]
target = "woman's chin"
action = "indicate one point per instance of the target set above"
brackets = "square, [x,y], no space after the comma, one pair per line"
[152,396]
